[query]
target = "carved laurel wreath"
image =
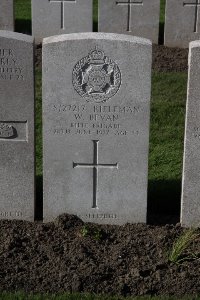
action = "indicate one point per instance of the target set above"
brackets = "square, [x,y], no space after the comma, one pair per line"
[78,85]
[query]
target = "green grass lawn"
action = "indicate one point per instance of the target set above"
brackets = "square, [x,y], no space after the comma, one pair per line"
[166,142]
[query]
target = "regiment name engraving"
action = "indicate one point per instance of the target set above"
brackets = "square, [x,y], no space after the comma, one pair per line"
[10,69]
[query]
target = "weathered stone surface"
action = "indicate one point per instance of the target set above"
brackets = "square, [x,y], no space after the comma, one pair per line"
[182,22]
[190,209]
[135,17]
[16,126]
[53,17]
[96,93]
[6,15]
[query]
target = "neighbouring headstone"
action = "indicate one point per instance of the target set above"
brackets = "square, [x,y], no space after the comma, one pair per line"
[17,168]
[182,22]
[54,17]
[190,208]
[6,15]
[96,104]
[135,17]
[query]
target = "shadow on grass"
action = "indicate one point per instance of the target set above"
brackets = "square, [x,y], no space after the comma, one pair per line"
[23,26]
[161,33]
[95,26]
[39,199]
[164,199]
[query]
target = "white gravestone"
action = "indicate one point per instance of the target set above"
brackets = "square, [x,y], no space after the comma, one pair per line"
[190,208]
[182,22]
[17,170]
[54,17]
[96,93]
[134,17]
[6,15]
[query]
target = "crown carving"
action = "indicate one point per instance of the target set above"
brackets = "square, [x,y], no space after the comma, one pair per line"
[6,130]
[97,56]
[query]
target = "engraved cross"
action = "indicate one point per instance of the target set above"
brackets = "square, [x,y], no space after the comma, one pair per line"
[196,5]
[62,2]
[129,4]
[95,166]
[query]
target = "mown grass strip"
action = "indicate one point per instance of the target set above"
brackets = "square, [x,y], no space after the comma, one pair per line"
[21,296]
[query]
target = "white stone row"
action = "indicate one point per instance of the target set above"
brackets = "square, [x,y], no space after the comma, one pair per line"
[134,17]
[96,115]
[96,111]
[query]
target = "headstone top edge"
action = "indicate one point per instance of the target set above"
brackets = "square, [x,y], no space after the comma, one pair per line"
[194,44]
[97,36]
[16,36]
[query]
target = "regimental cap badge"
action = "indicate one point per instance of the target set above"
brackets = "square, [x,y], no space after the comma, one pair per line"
[6,131]
[96,77]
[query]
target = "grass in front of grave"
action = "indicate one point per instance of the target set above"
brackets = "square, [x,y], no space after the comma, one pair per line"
[162,11]
[167,125]
[162,22]
[95,15]
[166,142]
[23,16]
[179,253]
[21,296]
[23,9]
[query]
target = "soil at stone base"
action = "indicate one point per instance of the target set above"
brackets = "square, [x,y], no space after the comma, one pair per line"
[169,59]
[68,255]
[164,59]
